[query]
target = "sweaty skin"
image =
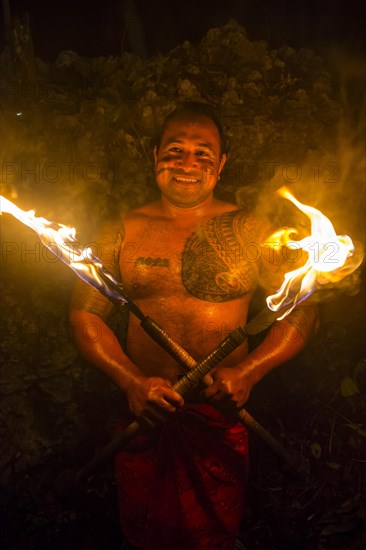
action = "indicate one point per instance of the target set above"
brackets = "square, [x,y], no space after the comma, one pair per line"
[191,263]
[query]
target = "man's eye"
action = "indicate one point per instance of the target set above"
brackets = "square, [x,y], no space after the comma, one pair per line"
[202,153]
[175,149]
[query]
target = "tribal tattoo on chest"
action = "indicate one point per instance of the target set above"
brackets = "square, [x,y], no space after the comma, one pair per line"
[215,266]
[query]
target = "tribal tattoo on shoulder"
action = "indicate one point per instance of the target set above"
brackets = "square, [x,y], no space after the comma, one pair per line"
[87,297]
[217,263]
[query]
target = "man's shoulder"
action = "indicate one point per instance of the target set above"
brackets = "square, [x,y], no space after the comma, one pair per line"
[221,207]
[149,210]
[117,224]
[220,212]
[241,219]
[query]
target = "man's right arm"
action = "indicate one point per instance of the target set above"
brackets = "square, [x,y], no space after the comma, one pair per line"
[150,399]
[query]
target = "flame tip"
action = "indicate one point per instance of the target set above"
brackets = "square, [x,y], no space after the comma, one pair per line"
[326,262]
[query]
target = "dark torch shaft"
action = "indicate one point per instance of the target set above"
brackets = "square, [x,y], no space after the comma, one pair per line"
[162,338]
[190,380]
[185,384]
[116,294]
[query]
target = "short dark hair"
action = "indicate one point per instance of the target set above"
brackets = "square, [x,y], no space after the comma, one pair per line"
[195,108]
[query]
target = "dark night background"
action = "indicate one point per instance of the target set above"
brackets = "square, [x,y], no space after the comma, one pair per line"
[53,405]
[99,28]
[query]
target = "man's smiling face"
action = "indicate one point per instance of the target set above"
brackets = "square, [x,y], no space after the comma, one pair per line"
[188,160]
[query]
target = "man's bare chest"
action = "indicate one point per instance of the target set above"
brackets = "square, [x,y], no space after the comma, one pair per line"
[205,261]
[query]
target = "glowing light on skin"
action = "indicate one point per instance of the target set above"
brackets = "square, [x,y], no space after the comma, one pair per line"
[330,256]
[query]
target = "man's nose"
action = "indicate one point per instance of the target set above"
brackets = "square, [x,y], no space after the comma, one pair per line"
[187,160]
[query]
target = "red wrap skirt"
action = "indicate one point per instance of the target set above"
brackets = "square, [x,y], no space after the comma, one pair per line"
[182,486]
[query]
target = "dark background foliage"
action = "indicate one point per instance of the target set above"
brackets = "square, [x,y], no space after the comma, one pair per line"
[76,145]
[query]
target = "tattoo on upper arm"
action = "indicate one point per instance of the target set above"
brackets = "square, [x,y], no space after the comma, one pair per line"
[304,314]
[85,296]
[304,319]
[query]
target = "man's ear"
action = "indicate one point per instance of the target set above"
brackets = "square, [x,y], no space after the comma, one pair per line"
[155,154]
[222,163]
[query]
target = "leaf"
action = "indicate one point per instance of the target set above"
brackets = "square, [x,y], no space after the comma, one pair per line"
[360,368]
[348,387]
[342,527]
[334,465]
[357,428]
[316,450]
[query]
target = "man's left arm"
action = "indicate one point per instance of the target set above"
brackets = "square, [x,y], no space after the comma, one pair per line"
[285,338]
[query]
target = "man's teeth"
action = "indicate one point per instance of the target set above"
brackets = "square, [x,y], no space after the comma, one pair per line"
[185,179]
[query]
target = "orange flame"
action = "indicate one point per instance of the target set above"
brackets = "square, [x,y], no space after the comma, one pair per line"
[328,258]
[61,240]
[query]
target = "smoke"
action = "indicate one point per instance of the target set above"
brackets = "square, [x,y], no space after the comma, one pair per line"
[338,192]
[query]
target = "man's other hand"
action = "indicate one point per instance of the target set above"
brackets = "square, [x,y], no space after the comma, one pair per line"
[231,386]
[152,399]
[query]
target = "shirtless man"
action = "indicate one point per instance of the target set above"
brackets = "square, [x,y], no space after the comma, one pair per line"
[192,273]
